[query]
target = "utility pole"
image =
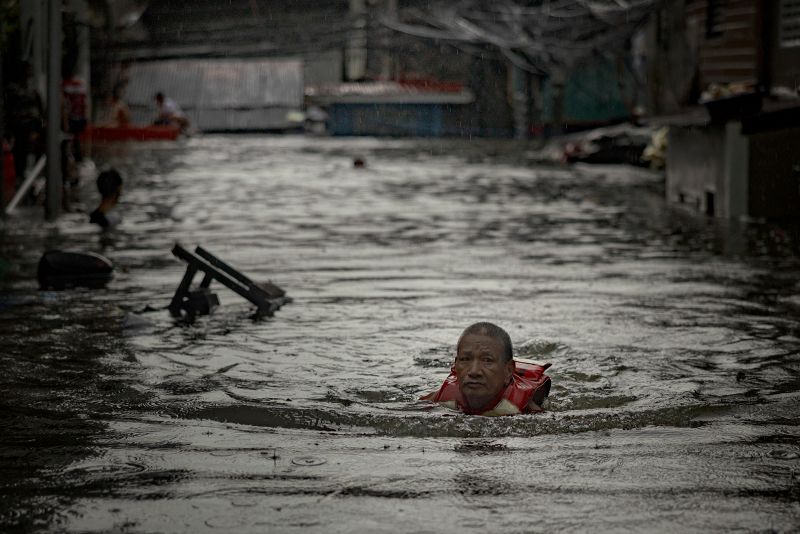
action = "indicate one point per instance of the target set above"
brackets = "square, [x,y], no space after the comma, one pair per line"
[558,81]
[53,139]
[2,124]
[388,69]
[537,105]
[521,101]
[356,51]
[83,67]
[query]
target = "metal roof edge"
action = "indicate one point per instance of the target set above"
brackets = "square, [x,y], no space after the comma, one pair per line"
[465,96]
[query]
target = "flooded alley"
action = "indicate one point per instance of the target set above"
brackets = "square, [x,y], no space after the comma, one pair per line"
[674,339]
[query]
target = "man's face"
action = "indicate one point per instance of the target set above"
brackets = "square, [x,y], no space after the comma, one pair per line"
[482,373]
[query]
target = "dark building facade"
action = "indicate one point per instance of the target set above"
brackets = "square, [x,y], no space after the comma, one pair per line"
[742,159]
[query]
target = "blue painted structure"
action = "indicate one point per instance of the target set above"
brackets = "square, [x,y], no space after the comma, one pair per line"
[592,95]
[416,120]
[407,109]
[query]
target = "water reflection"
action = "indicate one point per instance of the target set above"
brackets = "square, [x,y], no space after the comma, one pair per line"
[675,343]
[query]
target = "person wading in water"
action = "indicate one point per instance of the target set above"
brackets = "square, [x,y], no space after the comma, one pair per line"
[109,185]
[486,380]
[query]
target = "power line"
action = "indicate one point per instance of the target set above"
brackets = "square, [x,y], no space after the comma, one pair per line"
[535,35]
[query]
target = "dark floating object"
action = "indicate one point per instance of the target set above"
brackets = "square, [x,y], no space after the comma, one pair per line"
[61,270]
[190,303]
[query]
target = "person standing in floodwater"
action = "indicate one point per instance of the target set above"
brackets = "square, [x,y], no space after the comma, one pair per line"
[74,111]
[118,115]
[486,380]
[109,185]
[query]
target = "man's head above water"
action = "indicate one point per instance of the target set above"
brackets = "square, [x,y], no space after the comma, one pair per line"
[484,364]
[489,330]
[485,379]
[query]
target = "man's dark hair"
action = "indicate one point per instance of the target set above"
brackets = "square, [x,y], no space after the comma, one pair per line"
[108,183]
[493,331]
[159,96]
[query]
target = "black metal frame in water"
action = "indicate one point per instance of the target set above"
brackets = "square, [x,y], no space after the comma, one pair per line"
[189,303]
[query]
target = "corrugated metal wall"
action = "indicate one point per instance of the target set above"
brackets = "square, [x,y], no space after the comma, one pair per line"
[220,94]
[728,33]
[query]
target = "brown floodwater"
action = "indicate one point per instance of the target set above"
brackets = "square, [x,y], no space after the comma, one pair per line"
[675,343]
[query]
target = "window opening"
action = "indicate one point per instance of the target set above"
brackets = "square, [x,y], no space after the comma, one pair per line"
[789,31]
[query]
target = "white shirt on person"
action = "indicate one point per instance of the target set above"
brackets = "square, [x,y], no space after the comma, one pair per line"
[171,108]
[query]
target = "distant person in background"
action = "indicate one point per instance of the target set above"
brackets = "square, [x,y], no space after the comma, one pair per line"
[75,108]
[169,112]
[122,75]
[118,114]
[109,184]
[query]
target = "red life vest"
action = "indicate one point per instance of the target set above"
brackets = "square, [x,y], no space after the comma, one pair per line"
[75,94]
[527,383]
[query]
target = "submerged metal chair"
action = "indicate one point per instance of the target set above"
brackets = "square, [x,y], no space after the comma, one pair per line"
[189,302]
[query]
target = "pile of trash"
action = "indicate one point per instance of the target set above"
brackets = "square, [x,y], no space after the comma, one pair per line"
[715,91]
[630,144]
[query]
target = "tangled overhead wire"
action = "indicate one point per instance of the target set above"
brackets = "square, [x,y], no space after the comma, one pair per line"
[536,35]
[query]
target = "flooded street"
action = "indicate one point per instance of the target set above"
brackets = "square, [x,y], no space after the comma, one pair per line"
[675,344]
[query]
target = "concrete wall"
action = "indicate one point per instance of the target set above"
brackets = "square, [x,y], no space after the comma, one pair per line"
[322,67]
[718,171]
[737,173]
[695,167]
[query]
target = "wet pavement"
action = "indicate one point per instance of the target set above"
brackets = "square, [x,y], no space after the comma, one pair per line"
[675,344]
